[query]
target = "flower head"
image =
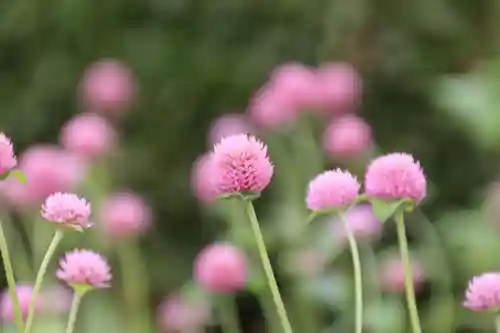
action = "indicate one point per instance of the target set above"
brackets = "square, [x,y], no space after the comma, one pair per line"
[395,176]
[347,136]
[84,268]
[240,164]
[124,215]
[393,274]
[201,180]
[176,314]
[24,295]
[221,268]
[332,189]
[227,125]
[67,210]
[361,221]
[483,292]
[8,159]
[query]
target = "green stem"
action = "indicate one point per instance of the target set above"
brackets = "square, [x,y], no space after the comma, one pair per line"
[405,257]
[9,274]
[497,324]
[358,281]
[228,314]
[75,304]
[268,270]
[58,235]
[268,309]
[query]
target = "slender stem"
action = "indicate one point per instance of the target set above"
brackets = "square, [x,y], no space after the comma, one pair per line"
[9,274]
[228,314]
[75,304]
[58,235]
[405,257]
[358,281]
[266,302]
[268,270]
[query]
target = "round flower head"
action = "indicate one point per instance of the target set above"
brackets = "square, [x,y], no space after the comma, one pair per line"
[201,183]
[7,157]
[483,293]
[125,214]
[67,210]
[83,268]
[362,223]
[348,136]
[179,315]
[221,268]
[393,275]
[332,189]
[240,164]
[227,125]
[395,176]
[88,135]
[24,294]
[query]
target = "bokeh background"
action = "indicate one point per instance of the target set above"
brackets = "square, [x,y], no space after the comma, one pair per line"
[430,76]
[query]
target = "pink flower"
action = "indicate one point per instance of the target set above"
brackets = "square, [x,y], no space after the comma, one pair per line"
[228,125]
[362,223]
[108,86]
[332,189]
[393,275]
[24,295]
[483,292]
[240,164]
[221,268]
[176,314]
[88,135]
[395,176]
[7,157]
[84,268]
[67,210]
[124,215]
[201,183]
[347,137]
[56,300]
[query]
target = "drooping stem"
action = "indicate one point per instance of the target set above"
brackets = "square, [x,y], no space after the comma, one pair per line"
[9,274]
[268,270]
[75,304]
[405,258]
[58,235]
[228,314]
[358,281]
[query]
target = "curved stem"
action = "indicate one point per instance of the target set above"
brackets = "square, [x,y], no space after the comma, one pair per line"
[405,257]
[358,281]
[9,274]
[228,314]
[268,270]
[58,235]
[75,304]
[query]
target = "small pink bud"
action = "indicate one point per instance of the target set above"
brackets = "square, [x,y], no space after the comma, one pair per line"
[361,221]
[393,275]
[7,157]
[179,315]
[332,189]
[67,210]
[221,268]
[483,292]
[348,136]
[84,268]
[228,125]
[201,180]
[56,300]
[24,295]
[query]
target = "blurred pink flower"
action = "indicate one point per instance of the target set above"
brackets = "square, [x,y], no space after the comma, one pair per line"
[67,210]
[221,268]
[332,189]
[8,158]
[228,125]
[393,275]
[24,295]
[84,268]
[395,176]
[56,300]
[362,223]
[178,315]
[124,215]
[108,86]
[88,135]
[348,136]
[240,164]
[201,181]
[483,292]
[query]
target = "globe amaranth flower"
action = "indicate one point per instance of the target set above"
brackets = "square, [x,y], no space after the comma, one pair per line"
[395,176]
[240,164]
[347,137]
[221,268]
[392,274]
[8,158]
[84,268]
[177,314]
[483,292]
[227,125]
[67,210]
[362,223]
[332,189]
[24,295]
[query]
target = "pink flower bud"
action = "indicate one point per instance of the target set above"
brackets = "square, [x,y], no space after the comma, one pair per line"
[332,189]
[177,314]
[362,223]
[347,137]
[67,210]
[483,292]
[84,268]
[393,275]
[24,295]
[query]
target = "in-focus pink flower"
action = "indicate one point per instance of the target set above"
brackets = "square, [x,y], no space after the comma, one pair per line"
[221,268]
[67,210]
[56,300]
[393,275]
[332,189]
[395,176]
[84,268]
[361,221]
[8,158]
[348,136]
[240,164]
[108,86]
[177,314]
[88,135]
[201,180]
[24,295]
[228,125]
[483,292]
[124,215]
